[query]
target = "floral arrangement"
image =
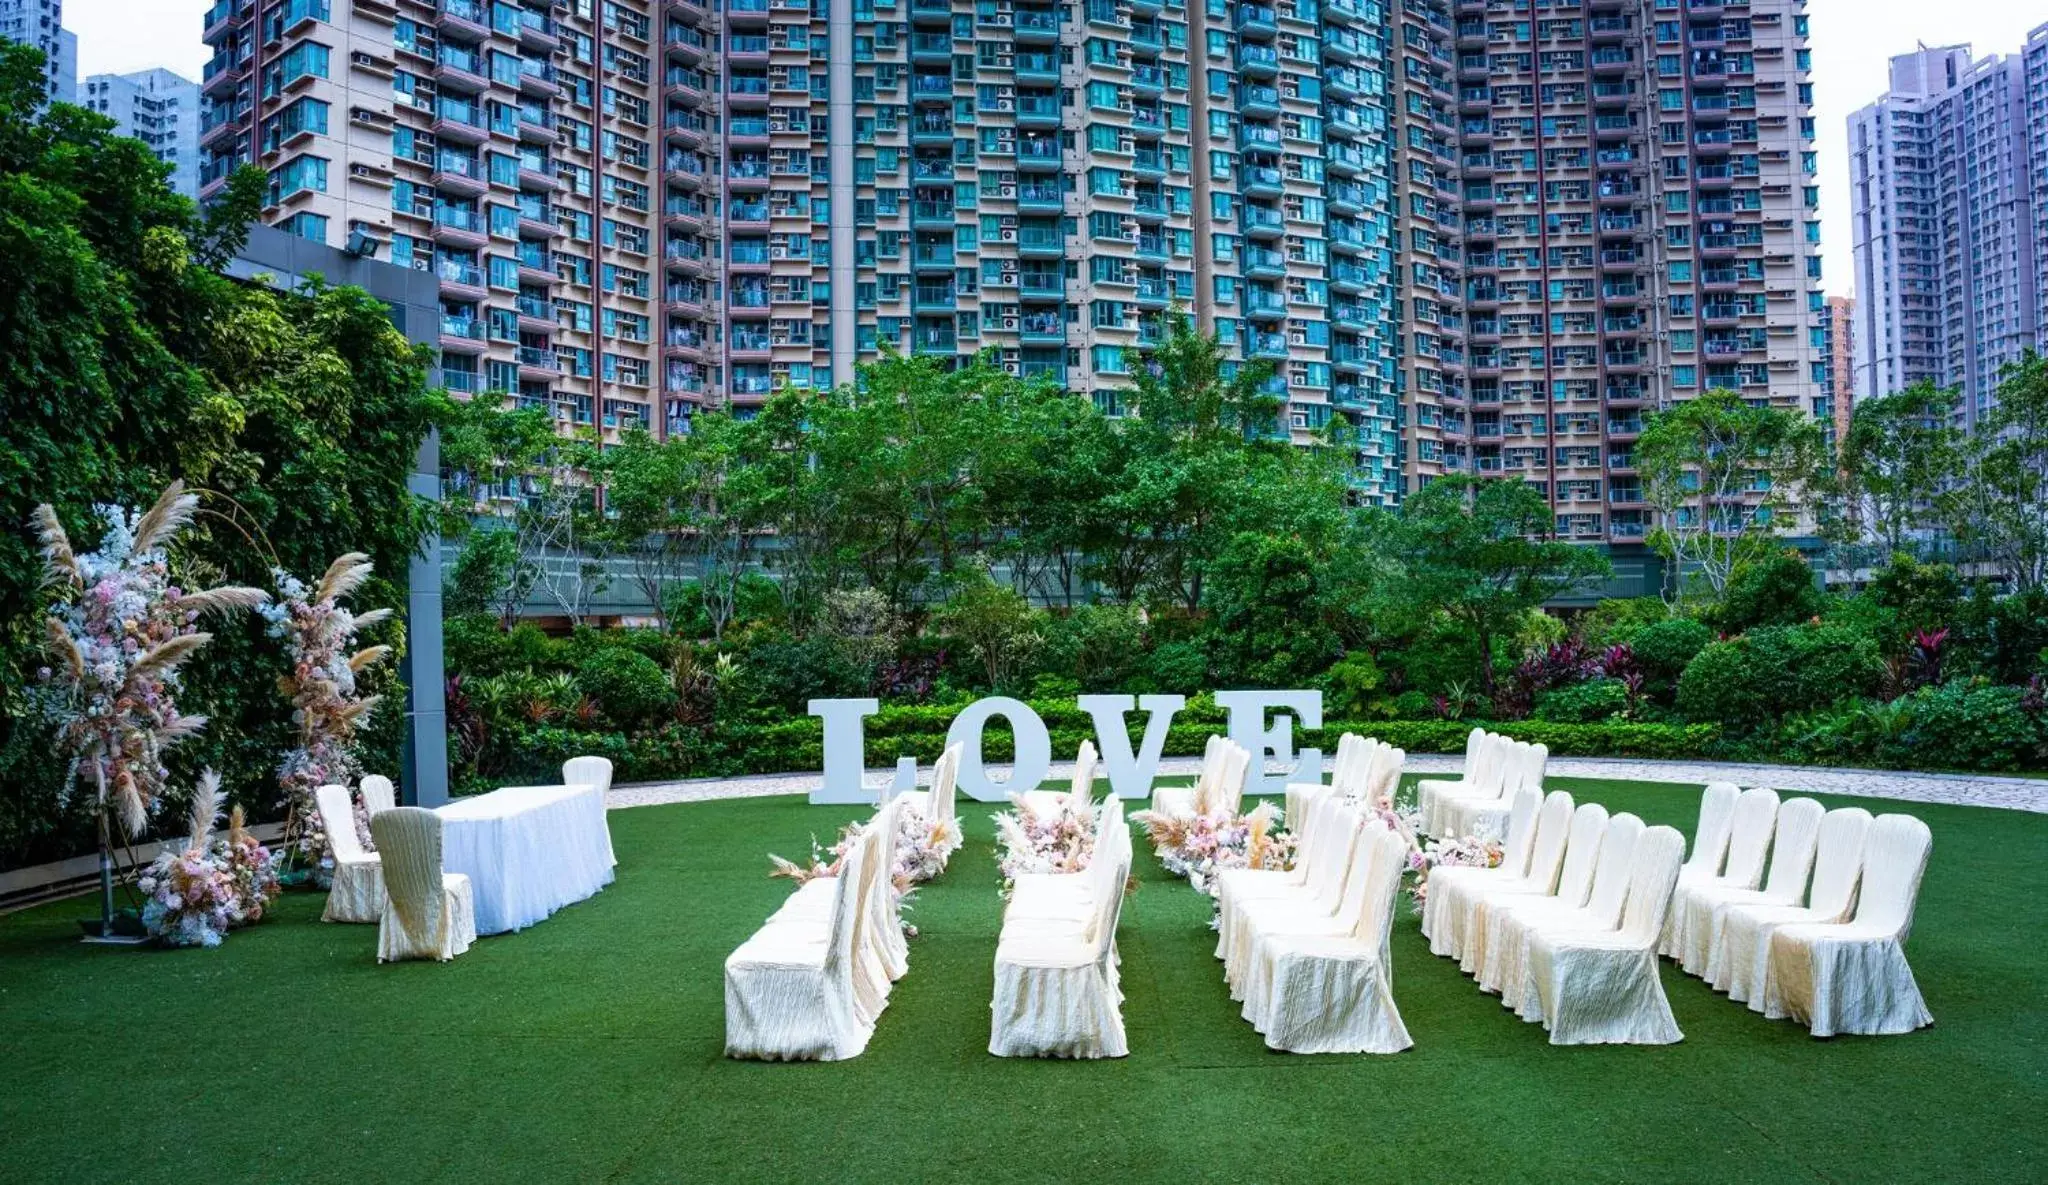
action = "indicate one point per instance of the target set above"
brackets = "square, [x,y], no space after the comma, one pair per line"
[1199,847]
[922,850]
[326,705]
[1449,853]
[194,896]
[1030,841]
[120,636]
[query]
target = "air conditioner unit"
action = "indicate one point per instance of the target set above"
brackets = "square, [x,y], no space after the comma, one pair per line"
[361,58]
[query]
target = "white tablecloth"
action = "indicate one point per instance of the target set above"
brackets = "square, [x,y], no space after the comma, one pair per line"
[528,851]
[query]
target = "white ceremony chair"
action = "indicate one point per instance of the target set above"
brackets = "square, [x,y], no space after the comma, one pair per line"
[357,894]
[1601,987]
[1234,885]
[1550,869]
[1226,796]
[1057,996]
[1515,850]
[1749,840]
[1743,950]
[1710,837]
[1484,769]
[1383,776]
[1459,904]
[1067,894]
[1852,977]
[588,771]
[1487,818]
[1792,847]
[1277,917]
[1321,867]
[1496,926]
[1180,800]
[935,802]
[1351,749]
[1336,994]
[790,991]
[378,794]
[1509,949]
[1318,900]
[1456,813]
[428,913]
[1079,792]
[881,956]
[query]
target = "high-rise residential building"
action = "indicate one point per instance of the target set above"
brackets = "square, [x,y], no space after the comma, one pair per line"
[1640,226]
[157,107]
[1949,181]
[41,23]
[1486,239]
[1841,339]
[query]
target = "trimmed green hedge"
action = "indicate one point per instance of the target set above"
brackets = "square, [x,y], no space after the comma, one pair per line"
[796,745]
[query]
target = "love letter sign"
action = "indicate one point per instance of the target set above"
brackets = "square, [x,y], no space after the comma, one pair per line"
[1130,774]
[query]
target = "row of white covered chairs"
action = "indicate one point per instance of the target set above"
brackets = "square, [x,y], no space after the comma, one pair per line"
[1366,771]
[1566,927]
[1821,939]
[1218,787]
[1056,983]
[810,984]
[1479,801]
[1307,950]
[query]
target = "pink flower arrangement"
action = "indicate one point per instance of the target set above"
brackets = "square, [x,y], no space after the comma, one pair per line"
[1202,846]
[326,703]
[1029,840]
[195,895]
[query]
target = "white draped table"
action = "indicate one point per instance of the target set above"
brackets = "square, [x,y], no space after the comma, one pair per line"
[528,851]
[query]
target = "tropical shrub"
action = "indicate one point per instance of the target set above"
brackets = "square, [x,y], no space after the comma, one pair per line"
[1776,588]
[1662,649]
[627,685]
[1772,672]
[1584,703]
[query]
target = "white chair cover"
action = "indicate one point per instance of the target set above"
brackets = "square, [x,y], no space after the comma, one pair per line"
[428,913]
[1710,838]
[1472,779]
[1228,794]
[1547,877]
[1383,776]
[1601,987]
[790,990]
[1235,885]
[588,771]
[1336,994]
[378,793]
[1318,873]
[1320,898]
[1792,850]
[1749,838]
[1458,906]
[1496,930]
[1514,862]
[1743,952]
[357,894]
[1487,818]
[1602,911]
[1276,916]
[1351,749]
[1057,996]
[1080,790]
[1852,977]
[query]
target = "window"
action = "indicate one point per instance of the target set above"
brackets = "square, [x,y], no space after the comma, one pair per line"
[297,175]
[306,225]
[304,60]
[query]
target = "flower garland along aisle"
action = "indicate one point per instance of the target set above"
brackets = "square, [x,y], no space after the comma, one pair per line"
[1028,840]
[194,896]
[119,637]
[326,704]
[922,850]
[1201,846]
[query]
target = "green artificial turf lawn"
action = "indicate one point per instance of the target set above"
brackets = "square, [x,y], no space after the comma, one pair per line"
[589,1049]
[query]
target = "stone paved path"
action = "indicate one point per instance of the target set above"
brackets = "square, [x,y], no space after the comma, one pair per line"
[2021,794]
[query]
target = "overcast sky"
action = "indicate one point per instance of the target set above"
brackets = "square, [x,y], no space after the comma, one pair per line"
[1852,39]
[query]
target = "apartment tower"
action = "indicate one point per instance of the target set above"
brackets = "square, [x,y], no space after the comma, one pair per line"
[1483,236]
[1949,195]
[157,107]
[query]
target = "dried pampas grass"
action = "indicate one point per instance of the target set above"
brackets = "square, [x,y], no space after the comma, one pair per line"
[343,576]
[173,510]
[60,566]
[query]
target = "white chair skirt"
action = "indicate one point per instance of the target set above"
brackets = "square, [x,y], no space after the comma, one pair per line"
[1842,979]
[395,940]
[357,894]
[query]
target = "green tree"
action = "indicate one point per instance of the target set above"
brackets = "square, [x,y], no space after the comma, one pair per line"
[488,576]
[2001,504]
[1898,452]
[1475,548]
[1724,477]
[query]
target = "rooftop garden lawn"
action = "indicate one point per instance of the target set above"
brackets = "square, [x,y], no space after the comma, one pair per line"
[589,1049]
